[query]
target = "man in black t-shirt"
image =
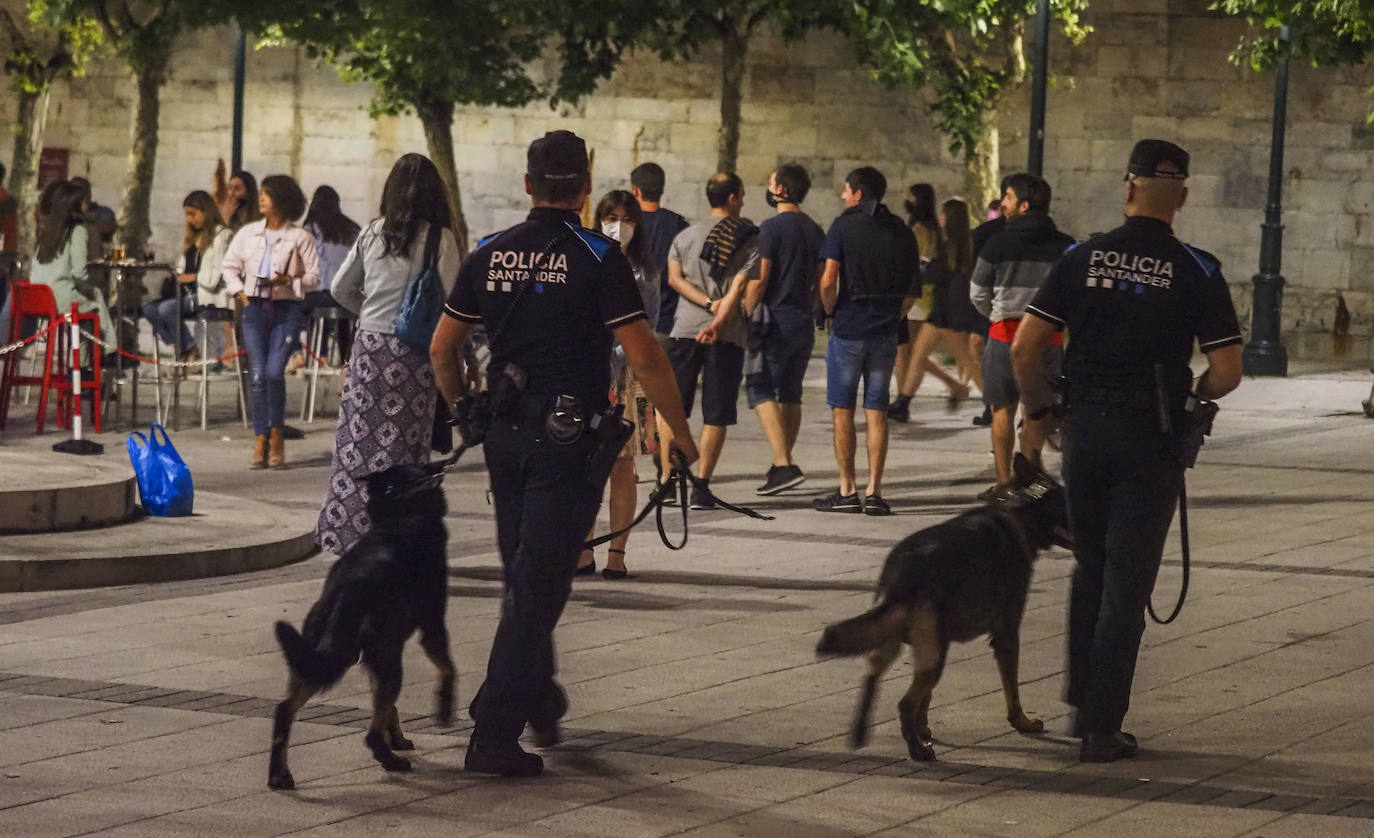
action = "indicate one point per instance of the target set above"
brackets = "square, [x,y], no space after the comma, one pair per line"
[781,332]
[660,226]
[1134,301]
[551,295]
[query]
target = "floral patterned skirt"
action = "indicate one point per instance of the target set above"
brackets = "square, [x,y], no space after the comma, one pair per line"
[386,418]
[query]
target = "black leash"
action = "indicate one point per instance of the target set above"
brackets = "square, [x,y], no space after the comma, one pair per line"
[1183,531]
[679,479]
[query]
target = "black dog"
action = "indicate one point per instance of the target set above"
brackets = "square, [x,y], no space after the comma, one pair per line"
[954,581]
[390,583]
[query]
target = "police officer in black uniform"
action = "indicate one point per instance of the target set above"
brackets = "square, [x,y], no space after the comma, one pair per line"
[1133,300]
[552,296]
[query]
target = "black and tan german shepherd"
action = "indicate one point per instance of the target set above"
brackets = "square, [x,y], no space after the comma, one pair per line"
[955,581]
[392,582]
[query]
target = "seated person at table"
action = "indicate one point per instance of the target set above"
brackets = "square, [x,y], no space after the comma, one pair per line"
[60,261]
[205,241]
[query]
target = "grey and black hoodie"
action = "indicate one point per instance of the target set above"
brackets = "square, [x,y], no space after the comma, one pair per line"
[1013,265]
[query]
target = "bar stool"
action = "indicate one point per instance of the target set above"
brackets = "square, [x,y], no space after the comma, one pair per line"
[37,301]
[342,319]
[205,315]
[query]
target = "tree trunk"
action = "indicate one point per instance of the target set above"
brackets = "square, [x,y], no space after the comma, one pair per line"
[734,49]
[437,119]
[28,144]
[983,167]
[149,74]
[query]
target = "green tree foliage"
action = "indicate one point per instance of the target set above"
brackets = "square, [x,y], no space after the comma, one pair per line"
[427,56]
[36,53]
[967,53]
[1329,33]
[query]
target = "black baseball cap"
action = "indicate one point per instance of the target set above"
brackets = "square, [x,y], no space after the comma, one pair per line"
[558,155]
[1149,155]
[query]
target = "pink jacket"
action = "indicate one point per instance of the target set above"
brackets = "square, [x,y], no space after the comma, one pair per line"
[294,254]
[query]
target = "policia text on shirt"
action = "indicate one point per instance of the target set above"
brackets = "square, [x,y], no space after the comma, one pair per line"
[554,296]
[1133,301]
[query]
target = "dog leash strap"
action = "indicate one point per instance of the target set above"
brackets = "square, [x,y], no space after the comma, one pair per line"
[1187,558]
[678,479]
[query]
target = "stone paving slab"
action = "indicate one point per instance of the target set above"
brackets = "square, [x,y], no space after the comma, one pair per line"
[697,705]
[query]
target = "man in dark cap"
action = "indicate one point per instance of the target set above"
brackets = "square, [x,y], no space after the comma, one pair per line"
[1134,302]
[553,296]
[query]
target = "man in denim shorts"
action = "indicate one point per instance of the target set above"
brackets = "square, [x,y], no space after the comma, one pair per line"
[872,266]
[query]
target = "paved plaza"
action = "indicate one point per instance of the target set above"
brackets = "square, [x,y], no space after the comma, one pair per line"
[698,706]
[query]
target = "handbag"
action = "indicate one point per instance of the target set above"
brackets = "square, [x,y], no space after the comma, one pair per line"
[423,301]
[164,480]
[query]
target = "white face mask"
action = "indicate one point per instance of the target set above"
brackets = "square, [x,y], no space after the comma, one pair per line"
[621,231]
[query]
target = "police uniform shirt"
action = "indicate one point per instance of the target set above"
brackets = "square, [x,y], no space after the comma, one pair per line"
[560,333]
[1133,298]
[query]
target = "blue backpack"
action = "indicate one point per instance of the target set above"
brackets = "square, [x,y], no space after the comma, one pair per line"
[424,299]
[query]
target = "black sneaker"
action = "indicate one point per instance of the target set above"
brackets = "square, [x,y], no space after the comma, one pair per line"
[899,411]
[1107,747]
[875,505]
[984,420]
[836,502]
[702,500]
[506,760]
[780,478]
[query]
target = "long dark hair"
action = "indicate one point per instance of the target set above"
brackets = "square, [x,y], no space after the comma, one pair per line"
[414,192]
[958,239]
[637,251]
[328,219]
[921,209]
[247,210]
[61,205]
[202,238]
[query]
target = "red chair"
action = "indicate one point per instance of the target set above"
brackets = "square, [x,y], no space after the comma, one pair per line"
[37,301]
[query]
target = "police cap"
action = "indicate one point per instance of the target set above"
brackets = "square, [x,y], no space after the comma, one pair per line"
[558,155]
[1149,156]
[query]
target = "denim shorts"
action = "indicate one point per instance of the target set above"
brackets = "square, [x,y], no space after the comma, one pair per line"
[785,357]
[848,360]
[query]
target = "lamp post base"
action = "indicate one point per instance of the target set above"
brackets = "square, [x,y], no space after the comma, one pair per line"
[1265,358]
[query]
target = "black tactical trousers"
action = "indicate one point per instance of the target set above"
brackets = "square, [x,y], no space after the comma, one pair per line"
[544,507]
[1122,487]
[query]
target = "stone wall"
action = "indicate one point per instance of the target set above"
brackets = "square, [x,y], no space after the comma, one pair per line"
[1150,68]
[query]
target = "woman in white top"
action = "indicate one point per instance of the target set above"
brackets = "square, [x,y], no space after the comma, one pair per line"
[269,267]
[205,242]
[386,412]
[60,262]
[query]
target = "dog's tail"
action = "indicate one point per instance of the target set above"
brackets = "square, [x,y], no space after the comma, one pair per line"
[317,668]
[863,633]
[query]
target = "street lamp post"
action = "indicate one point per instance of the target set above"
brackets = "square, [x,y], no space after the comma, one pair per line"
[1265,353]
[1039,82]
[240,68]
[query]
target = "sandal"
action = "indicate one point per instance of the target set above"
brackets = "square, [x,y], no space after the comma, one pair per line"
[611,573]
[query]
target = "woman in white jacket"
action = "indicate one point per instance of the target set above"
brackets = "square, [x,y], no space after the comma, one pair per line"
[268,268]
[386,411]
[205,242]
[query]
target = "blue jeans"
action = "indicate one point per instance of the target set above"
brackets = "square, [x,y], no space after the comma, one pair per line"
[846,361]
[167,322]
[271,329]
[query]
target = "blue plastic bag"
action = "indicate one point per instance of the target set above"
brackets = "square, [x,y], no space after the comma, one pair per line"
[164,481]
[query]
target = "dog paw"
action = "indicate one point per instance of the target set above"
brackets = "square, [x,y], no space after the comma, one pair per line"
[443,707]
[400,743]
[281,781]
[395,763]
[858,737]
[1025,724]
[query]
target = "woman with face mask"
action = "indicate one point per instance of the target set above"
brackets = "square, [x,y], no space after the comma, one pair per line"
[620,218]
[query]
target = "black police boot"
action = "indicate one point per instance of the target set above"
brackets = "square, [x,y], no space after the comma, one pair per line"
[1107,747]
[506,760]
